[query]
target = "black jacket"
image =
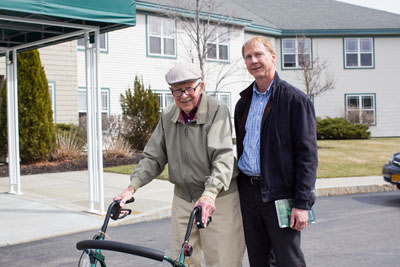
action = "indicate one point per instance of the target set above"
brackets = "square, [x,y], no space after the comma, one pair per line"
[288,143]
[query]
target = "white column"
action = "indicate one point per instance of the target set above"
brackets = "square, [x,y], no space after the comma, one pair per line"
[94,125]
[12,115]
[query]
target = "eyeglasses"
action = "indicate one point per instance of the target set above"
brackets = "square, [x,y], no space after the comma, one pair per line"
[187,91]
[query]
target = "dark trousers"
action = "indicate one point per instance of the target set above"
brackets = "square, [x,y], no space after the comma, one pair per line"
[262,232]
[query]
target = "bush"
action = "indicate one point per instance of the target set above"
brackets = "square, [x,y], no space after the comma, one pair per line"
[79,132]
[68,146]
[340,128]
[140,111]
[37,136]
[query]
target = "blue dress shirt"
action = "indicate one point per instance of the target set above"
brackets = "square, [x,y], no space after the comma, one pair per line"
[249,162]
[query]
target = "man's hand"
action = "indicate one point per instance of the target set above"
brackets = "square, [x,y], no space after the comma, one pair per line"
[207,208]
[125,195]
[298,219]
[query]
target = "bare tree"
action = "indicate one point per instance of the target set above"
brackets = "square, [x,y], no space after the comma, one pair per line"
[209,26]
[313,73]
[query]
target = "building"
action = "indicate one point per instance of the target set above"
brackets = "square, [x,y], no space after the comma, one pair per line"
[360,46]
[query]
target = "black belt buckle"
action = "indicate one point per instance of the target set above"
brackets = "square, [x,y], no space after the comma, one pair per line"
[254,180]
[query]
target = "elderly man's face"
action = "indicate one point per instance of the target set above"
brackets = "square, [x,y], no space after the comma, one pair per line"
[186,102]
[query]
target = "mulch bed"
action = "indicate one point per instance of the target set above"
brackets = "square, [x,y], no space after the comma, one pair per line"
[69,165]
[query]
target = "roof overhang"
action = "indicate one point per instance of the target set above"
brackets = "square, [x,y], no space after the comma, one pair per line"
[37,23]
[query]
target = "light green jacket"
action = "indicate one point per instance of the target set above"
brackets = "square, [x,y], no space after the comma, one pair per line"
[199,154]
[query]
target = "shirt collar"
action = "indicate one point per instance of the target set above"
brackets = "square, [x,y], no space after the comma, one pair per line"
[266,92]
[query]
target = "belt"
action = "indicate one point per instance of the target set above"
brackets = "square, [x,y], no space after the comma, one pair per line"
[254,180]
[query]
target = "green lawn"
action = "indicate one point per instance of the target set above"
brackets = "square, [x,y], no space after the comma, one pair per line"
[337,158]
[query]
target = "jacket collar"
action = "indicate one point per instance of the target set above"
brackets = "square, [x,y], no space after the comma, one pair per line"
[201,113]
[248,92]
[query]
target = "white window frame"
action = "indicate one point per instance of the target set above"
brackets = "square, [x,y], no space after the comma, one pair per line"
[359,53]
[103,45]
[221,38]
[360,109]
[164,97]
[82,93]
[295,51]
[52,93]
[220,96]
[163,36]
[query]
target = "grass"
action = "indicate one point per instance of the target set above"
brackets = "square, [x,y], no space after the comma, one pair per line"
[347,158]
[337,158]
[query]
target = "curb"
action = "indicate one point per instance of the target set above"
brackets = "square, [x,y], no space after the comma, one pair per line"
[349,190]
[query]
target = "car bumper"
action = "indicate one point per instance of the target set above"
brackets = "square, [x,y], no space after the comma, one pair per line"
[391,174]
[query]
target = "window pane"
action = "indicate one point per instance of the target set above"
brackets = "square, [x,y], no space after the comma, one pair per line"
[82,101]
[367,102]
[288,46]
[155,45]
[168,27]
[169,46]
[104,101]
[303,46]
[365,45]
[351,45]
[352,102]
[351,60]
[154,26]
[304,60]
[289,60]
[211,51]
[103,41]
[223,52]
[366,59]
[368,117]
[159,98]
[169,99]
[224,99]
[353,116]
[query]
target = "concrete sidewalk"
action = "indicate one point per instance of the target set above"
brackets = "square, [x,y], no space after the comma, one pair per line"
[57,203]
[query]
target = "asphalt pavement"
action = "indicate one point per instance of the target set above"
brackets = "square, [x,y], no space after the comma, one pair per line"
[56,204]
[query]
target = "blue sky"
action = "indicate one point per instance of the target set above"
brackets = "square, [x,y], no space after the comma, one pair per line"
[385,5]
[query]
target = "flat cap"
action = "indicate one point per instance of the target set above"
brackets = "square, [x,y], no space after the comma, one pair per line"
[183,72]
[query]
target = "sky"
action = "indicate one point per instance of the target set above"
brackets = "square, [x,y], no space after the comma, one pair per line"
[385,5]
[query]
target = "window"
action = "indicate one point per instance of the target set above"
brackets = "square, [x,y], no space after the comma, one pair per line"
[82,106]
[296,53]
[223,97]
[217,44]
[103,42]
[165,98]
[52,93]
[358,52]
[161,36]
[360,108]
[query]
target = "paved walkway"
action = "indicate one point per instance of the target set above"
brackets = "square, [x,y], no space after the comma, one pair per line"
[56,203]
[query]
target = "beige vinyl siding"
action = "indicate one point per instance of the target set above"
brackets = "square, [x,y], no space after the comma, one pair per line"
[60,65]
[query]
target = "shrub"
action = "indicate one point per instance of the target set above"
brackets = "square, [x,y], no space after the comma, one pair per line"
[37,136]
[340,128]
[140,111]
[116,147]
[79,132]
[68,146]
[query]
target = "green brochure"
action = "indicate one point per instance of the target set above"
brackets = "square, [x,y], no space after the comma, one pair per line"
[284,209]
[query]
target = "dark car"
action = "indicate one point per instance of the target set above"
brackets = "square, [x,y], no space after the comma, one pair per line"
[391,170]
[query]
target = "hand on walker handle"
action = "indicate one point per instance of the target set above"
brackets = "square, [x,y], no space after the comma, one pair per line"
[125,195]
[207,208]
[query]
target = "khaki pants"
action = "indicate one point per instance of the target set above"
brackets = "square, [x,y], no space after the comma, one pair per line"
[222,242]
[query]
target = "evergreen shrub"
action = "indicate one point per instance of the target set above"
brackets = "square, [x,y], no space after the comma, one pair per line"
[37,136]
[140,114]
[340,128]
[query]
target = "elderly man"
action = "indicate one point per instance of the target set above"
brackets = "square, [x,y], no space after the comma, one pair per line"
[277,151]
[194,138]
